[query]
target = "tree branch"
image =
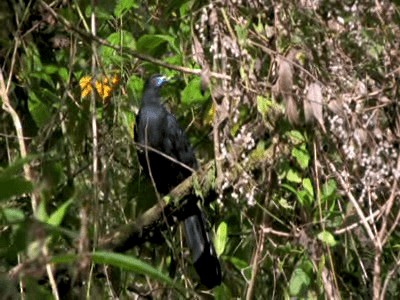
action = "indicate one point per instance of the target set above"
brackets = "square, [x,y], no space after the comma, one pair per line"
[166,211]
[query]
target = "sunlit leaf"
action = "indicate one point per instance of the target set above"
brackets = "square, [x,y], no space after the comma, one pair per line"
[307,185]
[12,215]
[221,238]
[299,282]
[56,217]
[327,238]
[124,6]
[192,93]
[293,176]
[302,156]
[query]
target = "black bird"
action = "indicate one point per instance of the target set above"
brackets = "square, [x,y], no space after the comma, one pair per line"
[157,128]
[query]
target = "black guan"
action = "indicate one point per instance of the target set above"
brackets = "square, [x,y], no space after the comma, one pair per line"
[158,129]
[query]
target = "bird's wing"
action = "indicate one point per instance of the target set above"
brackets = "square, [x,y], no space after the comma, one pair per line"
[176,143]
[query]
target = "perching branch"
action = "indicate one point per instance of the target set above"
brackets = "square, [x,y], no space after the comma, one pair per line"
[166,211]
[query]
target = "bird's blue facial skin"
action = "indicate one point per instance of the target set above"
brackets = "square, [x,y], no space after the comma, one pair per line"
[159,81]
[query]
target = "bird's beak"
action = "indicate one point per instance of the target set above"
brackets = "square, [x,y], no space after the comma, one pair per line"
[165,79]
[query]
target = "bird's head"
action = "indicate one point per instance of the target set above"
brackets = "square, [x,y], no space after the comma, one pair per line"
[156,81]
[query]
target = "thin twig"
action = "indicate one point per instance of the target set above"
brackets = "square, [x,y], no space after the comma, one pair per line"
[353,201]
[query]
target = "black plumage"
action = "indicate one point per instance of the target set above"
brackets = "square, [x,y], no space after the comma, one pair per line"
[158,129]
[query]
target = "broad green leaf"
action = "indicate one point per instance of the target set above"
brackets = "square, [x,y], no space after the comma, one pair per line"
[241,265]
[12,215]
[56,217]
[149,42]
[302,156]
[14,186]
[307,185]
[293,176]
[41,213]
[221,238]
[50,69]
[327,238]
[63,73]
[329,188]
[39,111]
[123,6]
[295,136]
[222,292]
[192,93]
[299,282]
[121,38]
[135,88]
[127,262]
[242,34]
[304,198]
[238,263]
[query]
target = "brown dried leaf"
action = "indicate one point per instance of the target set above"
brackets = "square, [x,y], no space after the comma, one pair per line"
[336,106]
[284,86]
[313,105]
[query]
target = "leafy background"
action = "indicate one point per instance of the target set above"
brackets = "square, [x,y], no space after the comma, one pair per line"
[295,103]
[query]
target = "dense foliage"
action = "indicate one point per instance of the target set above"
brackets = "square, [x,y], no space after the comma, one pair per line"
[292,108]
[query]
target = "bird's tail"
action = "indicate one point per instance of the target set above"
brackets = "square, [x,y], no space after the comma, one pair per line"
[204,257]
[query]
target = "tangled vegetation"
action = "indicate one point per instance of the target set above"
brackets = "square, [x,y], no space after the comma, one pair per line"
[292,108]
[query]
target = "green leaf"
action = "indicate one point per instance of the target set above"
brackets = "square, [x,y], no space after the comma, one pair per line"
[329,188]
[64,259]
[285,204]
[135,88]
[307,185]
[14,186]
[127,262]
[293,176]
[56,217]
[327,238]
[150,42]
[221,238]
[240,264]
[123,6]
[295,136]
[263,105]
[302,156]
[39,111]
[192,93]
[121,38]
[51,69]
[299,282]
[63,73]
[12,215]
[41,213]
[242,34]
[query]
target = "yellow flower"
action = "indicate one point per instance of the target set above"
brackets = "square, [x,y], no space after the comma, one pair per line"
[86,86]
[115,80]
[103,90]
[104,86]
